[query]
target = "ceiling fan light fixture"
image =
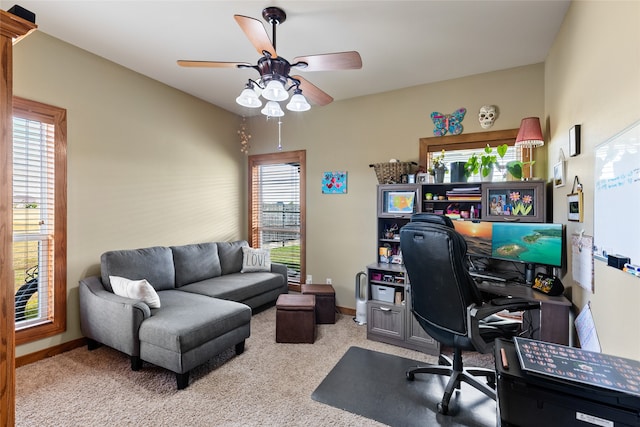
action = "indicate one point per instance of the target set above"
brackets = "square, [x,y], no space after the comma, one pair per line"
[272,109]
[275,80]
[298,103]
[275,91]
[249,98]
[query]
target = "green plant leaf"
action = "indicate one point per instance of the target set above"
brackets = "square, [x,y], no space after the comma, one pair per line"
[515,168]
[502,150]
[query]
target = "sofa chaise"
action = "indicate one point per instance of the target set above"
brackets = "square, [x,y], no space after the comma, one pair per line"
[177,306]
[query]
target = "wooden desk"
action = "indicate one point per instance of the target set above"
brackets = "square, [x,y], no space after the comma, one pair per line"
[552,322]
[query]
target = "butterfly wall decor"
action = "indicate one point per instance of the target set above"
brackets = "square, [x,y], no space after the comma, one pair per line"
[451,123]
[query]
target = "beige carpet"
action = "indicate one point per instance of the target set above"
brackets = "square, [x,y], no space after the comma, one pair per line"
[269,384]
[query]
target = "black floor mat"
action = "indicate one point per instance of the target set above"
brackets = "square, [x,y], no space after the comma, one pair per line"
[374,385]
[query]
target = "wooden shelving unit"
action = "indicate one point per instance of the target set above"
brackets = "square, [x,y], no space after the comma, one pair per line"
[390,319]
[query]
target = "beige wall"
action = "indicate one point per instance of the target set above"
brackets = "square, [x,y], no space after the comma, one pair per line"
[592,78]
[147,165]
[150,165]
[350,135]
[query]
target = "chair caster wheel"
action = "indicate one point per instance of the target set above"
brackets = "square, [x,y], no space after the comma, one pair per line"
[410,376]
[443,409]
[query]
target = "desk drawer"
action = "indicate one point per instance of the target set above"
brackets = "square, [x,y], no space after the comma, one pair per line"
[385,320]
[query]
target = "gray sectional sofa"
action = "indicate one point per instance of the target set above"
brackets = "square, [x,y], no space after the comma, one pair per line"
[205,303]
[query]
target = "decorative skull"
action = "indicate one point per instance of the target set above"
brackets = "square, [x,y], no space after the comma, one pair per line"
[488,114]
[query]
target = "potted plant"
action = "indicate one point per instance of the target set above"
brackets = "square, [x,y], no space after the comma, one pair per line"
[438,168]
[485,163]
[515,168]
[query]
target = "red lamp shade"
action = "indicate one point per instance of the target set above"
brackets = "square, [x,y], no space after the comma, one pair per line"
[530,133]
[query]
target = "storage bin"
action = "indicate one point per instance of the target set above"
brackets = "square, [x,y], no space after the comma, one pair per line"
[383,293]
[296,318]
[325,302]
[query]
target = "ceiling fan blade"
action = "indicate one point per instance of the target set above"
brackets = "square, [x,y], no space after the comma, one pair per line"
[312,92]
[331,61]
[213,64]
[256,33]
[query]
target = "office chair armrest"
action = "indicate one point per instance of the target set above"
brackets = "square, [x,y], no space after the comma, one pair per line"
[497,305]
[514,304]
[475,314]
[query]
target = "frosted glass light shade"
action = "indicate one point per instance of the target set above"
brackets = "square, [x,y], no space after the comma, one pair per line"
[272,109]
[298,103]
[275,91]
[249,98]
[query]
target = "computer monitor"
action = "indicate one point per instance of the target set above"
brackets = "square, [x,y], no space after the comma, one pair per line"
[529,243]
[477,234]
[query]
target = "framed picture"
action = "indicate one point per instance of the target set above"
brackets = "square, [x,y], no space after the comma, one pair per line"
[505,201]
[574,141]
[558,174]
[499,204]
[334,182]
[401,202]
[575,209]
[422,178]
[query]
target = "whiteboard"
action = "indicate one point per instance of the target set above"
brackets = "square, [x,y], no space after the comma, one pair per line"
[617,196]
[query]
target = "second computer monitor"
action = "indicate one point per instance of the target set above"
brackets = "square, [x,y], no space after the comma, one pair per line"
[531,243]
[478,236]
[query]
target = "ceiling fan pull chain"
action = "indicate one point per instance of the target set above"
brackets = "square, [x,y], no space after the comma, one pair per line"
[279,134]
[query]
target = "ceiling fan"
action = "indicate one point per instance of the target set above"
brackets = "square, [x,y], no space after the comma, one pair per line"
[275,82]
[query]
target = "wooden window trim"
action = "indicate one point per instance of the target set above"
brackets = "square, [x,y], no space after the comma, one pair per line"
[466,141]
[300,157]
[57,116]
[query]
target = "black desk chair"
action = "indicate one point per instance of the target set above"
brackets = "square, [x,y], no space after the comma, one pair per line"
[448,305]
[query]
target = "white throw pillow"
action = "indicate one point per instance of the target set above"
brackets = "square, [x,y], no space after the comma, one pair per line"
[135,289]
[255,260]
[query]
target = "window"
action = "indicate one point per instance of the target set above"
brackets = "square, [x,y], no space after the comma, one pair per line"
[454,155]
[39,219]
[277,208]
[460,147]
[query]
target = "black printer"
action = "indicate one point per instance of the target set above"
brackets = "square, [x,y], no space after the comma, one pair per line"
[526,397]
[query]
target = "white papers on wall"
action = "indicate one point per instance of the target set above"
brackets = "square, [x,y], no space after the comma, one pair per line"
[582,260]
[586,328]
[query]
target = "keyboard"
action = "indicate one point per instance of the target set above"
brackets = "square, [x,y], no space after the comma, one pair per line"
[492,276]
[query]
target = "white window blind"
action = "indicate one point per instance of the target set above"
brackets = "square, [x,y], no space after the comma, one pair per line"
[513,153]
[33,220]
[277,214]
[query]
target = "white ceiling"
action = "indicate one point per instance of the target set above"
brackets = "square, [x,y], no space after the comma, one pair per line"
[402,43]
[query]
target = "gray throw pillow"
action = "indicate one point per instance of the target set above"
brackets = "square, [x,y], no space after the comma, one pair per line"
[154,264]
[196,262]
[230,254]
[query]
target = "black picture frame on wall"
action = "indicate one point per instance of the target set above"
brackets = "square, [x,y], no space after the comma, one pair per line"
[575,209]
[574,141]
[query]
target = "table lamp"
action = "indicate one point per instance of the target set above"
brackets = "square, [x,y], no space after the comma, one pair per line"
[530,136]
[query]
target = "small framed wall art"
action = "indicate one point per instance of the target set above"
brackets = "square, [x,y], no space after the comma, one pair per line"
[574,206]
[334,182]
[575,202]
[558,174]
[574,141]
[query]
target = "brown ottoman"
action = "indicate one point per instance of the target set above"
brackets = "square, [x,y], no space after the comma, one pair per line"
[295,318]
[325,302]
